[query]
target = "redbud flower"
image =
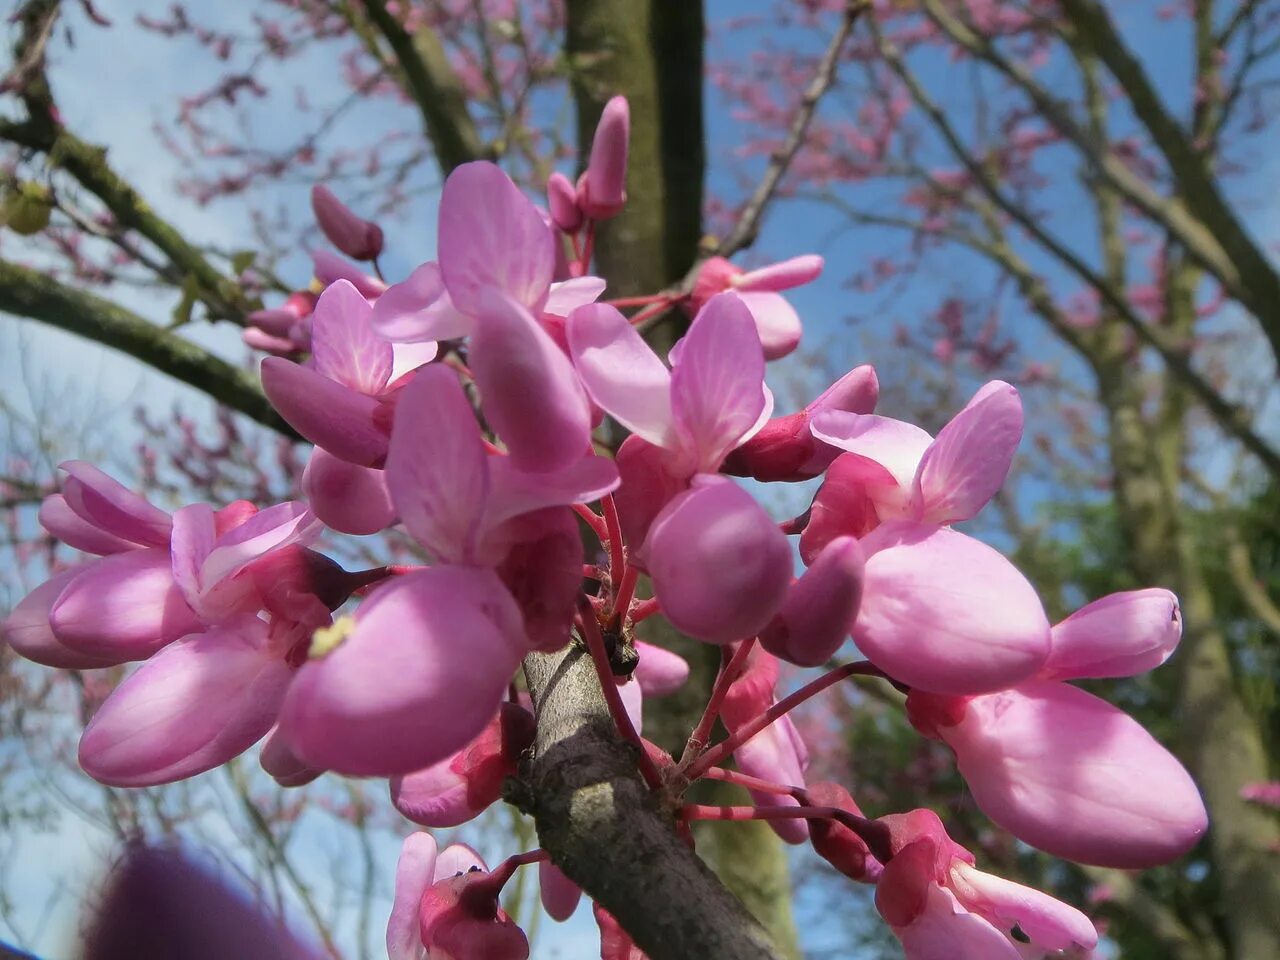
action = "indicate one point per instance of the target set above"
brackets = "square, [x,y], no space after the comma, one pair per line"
[349,498]
[562,202]
[719,564]
[835,842]
[355,237]
[775,319]
[558,893]
[659,672]
[602,191]
[1121,635]
[820,608]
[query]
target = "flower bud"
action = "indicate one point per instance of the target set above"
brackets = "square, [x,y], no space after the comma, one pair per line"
[1120,635]
[355,237]
[562,202]
[602,191]
[820,608]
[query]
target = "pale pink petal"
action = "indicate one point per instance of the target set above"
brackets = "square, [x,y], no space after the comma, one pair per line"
[68,526]
[340,419]
[818,613]
[946,931]
[193,706]
[436,470]
[560,895]
[343,345]
[777,323]
[346,497]
[433,797]
[945,612]
[407,357]
[415,871]
[776,753]
[529,391]
[492,238]
[123,607]
[568,295]
[279,526]
[1071,775]
[659,672]
[716,394]
[455,859]
[421,673]
[621,373]
[1121,635]
[781,276]
[633,703]
[26,629]
[513,492]
[967,463]
[1050,924]
[719,564]
[418,309]
[892,444]
[107,504]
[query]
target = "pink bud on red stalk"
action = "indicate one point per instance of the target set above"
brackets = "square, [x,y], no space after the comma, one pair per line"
[562,201]
[355,237]
[602,189]
[835,842]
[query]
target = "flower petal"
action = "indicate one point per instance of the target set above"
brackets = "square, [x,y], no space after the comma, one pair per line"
[27,628]
[107,504]
[436,469]
[415,872]
[1050,924]
[659,672]
[513,492]
[777,323]
[343,345]
[279,526]
[191,707]
[57,517]
[347,498]
[560,895]
[327,413]
[419,309]
[820,608]
[781,276]
[621,373]
[947,613]
[965,466]
[569,295]
[492,238]
[1120,635]
[528,388]
[716,393]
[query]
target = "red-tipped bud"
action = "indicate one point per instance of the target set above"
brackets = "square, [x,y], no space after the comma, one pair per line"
[818,612]
[603,191]
[562,201]
[837,843]
[356,237]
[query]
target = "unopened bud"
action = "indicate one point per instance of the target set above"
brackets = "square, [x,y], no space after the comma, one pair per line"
[351,234]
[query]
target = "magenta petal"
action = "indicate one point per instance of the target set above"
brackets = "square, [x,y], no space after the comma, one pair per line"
[562,203]
[965,466]
[776,753]
[947,613]
[191,707]
[434,797]
[777,323]
[719,564]
[415,872]
[330,268]
[856,392]
[781,276]
[542,567]
[716,393]
[621,373]
[492,238]
[568,295]
[57,517]
[343,345]
[514,492]
[123,607]
[282,525]
[659,672]
[1071,775]
[346,497]
[820,608]
[340,419]
[606,175]
[109,505]
[419,309]
[946,931]
[420,675]
[437,470]
[353,235]
[528,388]
[560,895]
[1121,635]
[27,629]
[282,764]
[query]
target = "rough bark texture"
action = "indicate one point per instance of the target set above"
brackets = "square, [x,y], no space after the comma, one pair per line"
[615,837]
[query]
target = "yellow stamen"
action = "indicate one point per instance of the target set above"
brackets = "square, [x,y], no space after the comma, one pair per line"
[327,639]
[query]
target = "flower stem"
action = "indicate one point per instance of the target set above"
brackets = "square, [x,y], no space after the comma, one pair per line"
[732,664]
[751,783]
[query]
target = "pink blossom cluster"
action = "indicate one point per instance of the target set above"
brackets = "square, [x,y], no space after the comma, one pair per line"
[459,404]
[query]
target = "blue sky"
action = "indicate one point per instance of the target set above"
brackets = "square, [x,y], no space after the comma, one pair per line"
[119,81]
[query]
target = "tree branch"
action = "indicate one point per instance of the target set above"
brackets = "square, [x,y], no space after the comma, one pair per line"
[611,835]
[431,81]
[28,293]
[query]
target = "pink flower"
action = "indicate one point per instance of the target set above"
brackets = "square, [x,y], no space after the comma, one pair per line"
[1121,635]
[558,893]
[775,319]
[942,908]
[719,564]
[462,786]
[97,514]
[562,202]
[1068,773]
[659,672]
[342,400]
[777,752]
[447,906]
[355,237]
[906,474]
[819,609]
[602,190]
[786,450]
[944,612]
[283,330]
